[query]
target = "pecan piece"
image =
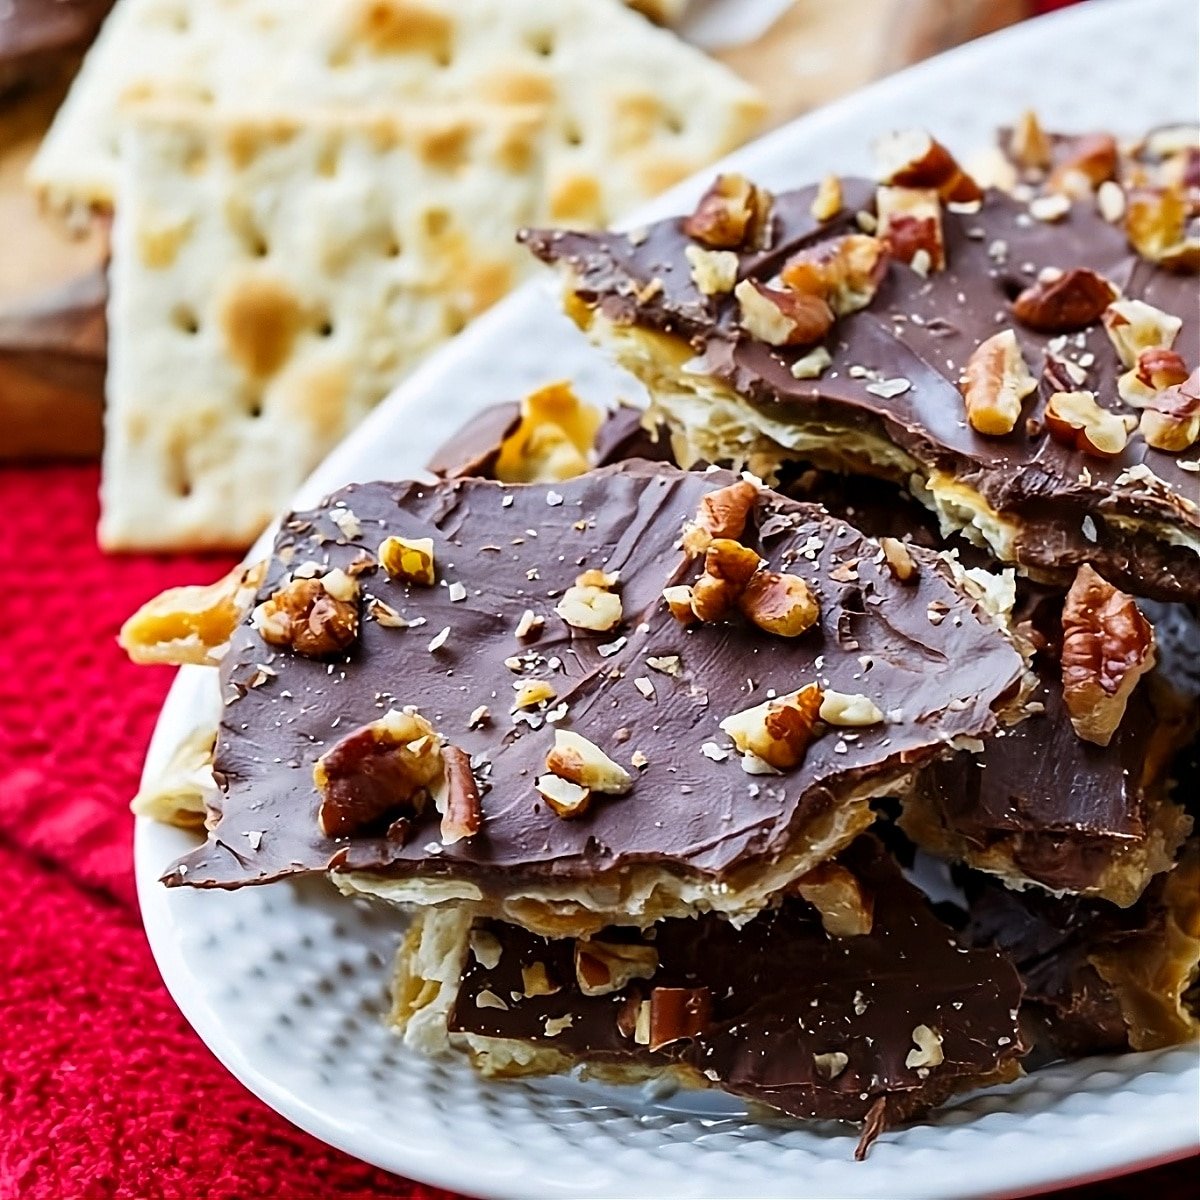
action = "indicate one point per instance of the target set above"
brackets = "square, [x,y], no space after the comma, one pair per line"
[1090,160]
[845,272]
[1133,326]
[1064,303]
[777,732]
[734,214]
[1075,419]
[591,603]
[605,967]
[721,514]
[846,908]
[1171,420]
[1156,370]
[376,773]
[679,601]
[191,624]
[899,559]
[1107,646]
[1028,144]
[677,1013]
[576,759]
[728,567]
[1156,223]
[463,808]
[314,617]
[564,798]
[910,227]
[781,317]
[779,603]
[911,158]
[995,381]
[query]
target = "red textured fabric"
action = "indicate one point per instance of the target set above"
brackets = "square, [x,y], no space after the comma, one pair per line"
[105,1092]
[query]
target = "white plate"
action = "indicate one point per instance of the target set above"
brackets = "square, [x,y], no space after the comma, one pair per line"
[286,983]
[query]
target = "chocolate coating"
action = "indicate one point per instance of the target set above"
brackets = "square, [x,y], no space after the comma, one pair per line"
[783,991]
[924,330]
[519,547]
[37,36]
[473,449]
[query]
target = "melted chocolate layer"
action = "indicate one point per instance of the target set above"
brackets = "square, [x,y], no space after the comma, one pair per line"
[923,331]
[516,548]
[783,991]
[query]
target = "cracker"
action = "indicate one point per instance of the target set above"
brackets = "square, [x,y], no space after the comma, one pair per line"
[629,108]
[272,278]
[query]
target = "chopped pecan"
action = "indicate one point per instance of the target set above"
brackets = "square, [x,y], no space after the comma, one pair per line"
[1028,144]
[591,603]
[679,601]
[1089,161]
[605,967]
[1107,646]
[845,272]
[846,908]
[1064,303]
[564,798]
[779,603]
[910,227]
[677,1013]
[722,514]
[928,1049]
[734,214]
[899,559]
[1156,223]
[1075,419]
[576,759]
[1156,370]
[995,381]
[911,158]
[1133,326]
[1171,420]
[777,732]
[728,566]
[780,316]
[464,810]
[192,624]
[408,559]
[714,272]
[376,773]
[827,203]
[314,617]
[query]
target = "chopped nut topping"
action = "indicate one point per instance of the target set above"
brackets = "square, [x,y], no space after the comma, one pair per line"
[309,619]
[576,759]
[487,948]
[488,999]
[529,624]
[827,203]
[676,1014]
[463,806]
[1028,145]
[899,559]
[994,383]
[1156,223]
[552,440]
[192,624]
[1090,161]
[1171,420]
[382,769]
[728,567]
[778,731]
[849,709]
[679,601]
[1110,201]
[408,559]
[531,692]
[605,967]
[668,664]
[1050,208]
[564,798]
[846,909]
[1107,647]
[781,317]
[1133,326]
[555,1025]
[535,981]
[1075,419]
[781,604]
[812,364]
[1064,303]
[714,272]
[733,214]
[845,272]
[721,514]
[910,227]
[928,1052]
[831,1065]
[591,604]
[912,159]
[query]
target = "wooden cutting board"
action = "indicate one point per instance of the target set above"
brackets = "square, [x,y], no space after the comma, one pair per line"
[52,292]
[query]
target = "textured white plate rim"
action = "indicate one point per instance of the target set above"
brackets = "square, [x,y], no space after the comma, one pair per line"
[1113,1147]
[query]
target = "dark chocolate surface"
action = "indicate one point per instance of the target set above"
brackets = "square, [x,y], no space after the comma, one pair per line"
[37,36]
[783,990]
[685,812]
[473,449]
[923,331]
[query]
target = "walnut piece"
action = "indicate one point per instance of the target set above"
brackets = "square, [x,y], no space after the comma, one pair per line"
[1156,223]
[192,624]
[1107,647]
[928,1052]
[911,158]
[1028,144]
[734,214]
[849,709]
[845,272]
[314,617]
[714,272]
[899,559]
[779,603]
[910,227]
[1133,326]
[721,514]
[846,909]
[995,381]
[1064,303]
[1156,370]
[382,770]
[463,813]
[576,759]
[408,559]
[728,566]
[591,603]
[564,798]
[679,601]
[831,1064]
[1089,161]
[777,732]
[677,1013]
[827,202]
[605,967]
[1076,420]
[1171,420]
[780,316]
